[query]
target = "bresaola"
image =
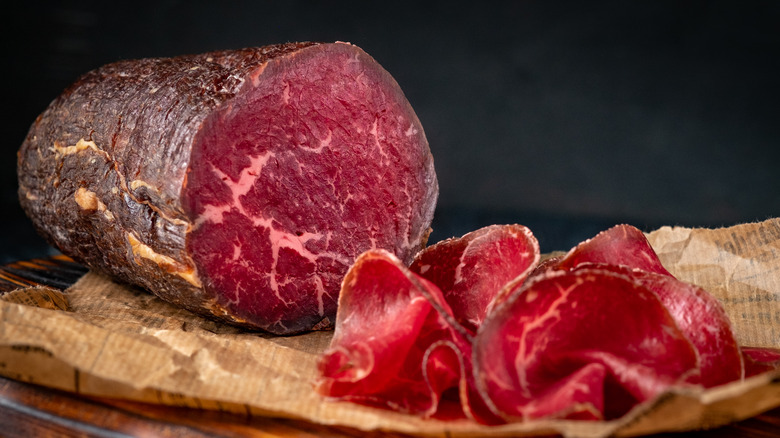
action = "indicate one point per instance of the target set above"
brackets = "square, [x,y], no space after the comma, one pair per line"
[368,344]
[573,345]
[501,337]
[240,184]
[472,270]
[408,356]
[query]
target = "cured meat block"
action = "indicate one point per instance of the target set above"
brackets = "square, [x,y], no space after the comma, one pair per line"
[572,345]
[473,269]
[239,184]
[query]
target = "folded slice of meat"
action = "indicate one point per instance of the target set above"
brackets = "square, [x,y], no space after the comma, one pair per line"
[546,265]
[759,360]
[391,347]
[571,344]
[703,320]
[471,270]
[620,245]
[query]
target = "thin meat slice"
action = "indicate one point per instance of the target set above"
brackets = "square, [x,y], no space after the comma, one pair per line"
[699,315]
[623,245]
[573,345]
[760,360]
[703,320]
[462,400]
[240,184]
[546,265]
[445,371]
[391,347]
[471,270]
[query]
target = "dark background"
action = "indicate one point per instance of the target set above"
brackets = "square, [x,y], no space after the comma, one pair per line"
[567,117]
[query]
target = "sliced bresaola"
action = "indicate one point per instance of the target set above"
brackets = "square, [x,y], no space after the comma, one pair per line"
[623,245]
[471,270]
[463,401]
[701,318]
[392,346]
[759,360]
[572,344]
[704,321]
[546,265]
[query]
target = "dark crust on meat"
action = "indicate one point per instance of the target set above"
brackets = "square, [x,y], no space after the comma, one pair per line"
[101,170]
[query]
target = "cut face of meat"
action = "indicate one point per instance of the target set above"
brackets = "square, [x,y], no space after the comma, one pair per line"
[472,270]
[572,345]
[318,158]
[410,355]
[622,245]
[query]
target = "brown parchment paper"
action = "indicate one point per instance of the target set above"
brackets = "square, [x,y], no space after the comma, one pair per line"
[101,338]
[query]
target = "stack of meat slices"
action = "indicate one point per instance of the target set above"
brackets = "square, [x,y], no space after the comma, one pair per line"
[477,327]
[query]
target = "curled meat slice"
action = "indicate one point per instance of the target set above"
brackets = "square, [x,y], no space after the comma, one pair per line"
[461,400]
[704,321]
[760,360]
[240,184]
[471,270]
[546,265]
[391,347]
[571,344]
[701,318]
[622,245]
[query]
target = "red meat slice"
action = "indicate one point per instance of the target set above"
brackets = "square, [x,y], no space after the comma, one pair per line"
[701,318]
[392,347]
[573,345]
[460,397]
[546,265]
[760,360]
[620,245]
[471,270]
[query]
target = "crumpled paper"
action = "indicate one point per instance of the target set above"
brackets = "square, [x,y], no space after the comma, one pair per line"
[106,339]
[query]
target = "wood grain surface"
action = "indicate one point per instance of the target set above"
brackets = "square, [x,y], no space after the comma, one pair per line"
[27,410]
